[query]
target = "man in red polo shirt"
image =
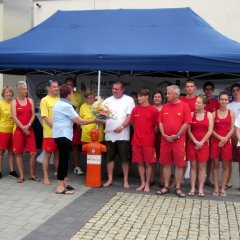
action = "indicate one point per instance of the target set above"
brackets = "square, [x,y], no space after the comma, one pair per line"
[190,98]
[174,119]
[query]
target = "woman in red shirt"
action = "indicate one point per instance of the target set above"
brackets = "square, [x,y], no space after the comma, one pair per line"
[221,145]
[198,145]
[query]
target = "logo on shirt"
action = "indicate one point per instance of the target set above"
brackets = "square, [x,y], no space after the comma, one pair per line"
[165,113]
[179,114]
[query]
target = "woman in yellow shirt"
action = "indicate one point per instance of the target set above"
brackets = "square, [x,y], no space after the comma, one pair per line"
[86,113]
[6,129]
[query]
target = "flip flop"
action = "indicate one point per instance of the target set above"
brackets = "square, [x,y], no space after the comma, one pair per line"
[70,188]
[36,179]
[20,180]
[201,194]
[228,186]
[180,193]
[65,191]
[216,194]
[161,192]
[191,194]
[222,194]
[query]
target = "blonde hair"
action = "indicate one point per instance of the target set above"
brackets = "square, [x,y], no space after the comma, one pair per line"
[7,88]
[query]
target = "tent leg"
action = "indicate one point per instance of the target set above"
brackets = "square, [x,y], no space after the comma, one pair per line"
[99,81]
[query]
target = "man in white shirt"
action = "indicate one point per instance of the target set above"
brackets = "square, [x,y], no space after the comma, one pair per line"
[117,132]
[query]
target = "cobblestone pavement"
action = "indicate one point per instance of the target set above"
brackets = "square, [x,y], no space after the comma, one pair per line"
[27,205]
[141,216]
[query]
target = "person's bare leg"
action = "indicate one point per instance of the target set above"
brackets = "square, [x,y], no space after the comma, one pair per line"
[215,175]
[141,170]
[125,168]
[201,176]
[166,174]
[110,167]
[32,167]
[229,179]
[149,167]
[193,176]
[19,160]
[179,171]
[45,166]
[11,160]
[225,173]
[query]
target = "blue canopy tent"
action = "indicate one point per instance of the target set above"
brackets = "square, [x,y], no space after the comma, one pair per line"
[122,40]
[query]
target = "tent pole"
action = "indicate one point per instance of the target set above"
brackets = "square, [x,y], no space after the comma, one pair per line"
[99,81]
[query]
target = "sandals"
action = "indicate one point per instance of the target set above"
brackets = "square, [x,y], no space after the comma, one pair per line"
[161,192]
[222,194]
[36,179]
[20,180]
[66,192]
[180,193]
[191,194]
[70,188]
[216,194]
[228,186]
[201,194]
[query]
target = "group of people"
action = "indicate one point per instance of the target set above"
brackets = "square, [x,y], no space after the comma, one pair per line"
[198,129]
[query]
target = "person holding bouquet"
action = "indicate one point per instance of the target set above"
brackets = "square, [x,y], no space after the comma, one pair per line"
[87,114]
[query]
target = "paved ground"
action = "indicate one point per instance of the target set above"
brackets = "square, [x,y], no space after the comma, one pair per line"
[33,211]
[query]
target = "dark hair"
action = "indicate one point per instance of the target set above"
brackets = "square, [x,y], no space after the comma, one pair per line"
[134,94]
[50,82]
[190,81]
[157,92]
[70,79]
[222,93]
[144,92]
[206,84]
[235,85]
[119,82]
[65,90]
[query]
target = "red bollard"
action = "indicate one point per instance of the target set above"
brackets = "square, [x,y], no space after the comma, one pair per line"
[94,152]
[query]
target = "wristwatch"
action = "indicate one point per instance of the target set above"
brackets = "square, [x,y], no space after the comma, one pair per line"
[178,136]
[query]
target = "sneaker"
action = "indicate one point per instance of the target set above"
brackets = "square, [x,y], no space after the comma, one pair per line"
[13,174]
[78,171]
[0,175]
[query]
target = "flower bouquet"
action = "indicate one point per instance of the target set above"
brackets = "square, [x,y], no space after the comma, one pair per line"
[100,110]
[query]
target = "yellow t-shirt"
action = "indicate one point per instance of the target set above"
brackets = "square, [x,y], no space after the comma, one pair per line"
[46,106]
[6,122]
[77,101]
[86,113]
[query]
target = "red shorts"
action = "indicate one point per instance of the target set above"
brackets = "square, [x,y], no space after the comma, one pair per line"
[21,141]
[173,153]
[49,145]
[143,154]
[5,141]
[199,155]
[224,152]
[77,135]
